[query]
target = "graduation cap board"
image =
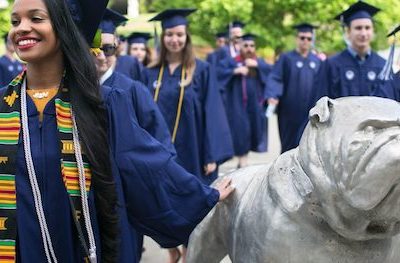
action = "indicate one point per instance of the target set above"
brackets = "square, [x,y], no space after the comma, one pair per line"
[386,73]
[305,27]
[221,35]
[358,10]
[111,20]
[139,37]
[173,17]
[87,15]
[249,37]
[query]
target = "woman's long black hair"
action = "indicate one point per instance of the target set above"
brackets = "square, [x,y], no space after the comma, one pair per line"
[82,81]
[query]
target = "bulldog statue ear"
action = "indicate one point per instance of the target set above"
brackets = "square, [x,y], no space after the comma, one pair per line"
[321,112]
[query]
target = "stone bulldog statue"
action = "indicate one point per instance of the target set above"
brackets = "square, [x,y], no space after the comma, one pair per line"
[335,198]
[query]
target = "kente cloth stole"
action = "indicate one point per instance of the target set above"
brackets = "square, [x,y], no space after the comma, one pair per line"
[10,132]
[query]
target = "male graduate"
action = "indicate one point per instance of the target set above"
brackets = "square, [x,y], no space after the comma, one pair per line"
[355,70]
[126,64]
[10,67]
[148,115]
[235,38]
[291,85]
[244,78]
[221,40]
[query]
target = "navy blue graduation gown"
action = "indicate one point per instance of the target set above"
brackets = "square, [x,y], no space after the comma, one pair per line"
[244,105]
[148,116]
[203,134]
[129,66]
[8,70]
[342,75]
[291,81]
[156,196]
[389,89]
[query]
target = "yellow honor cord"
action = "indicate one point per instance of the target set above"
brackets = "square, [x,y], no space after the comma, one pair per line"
[180,102]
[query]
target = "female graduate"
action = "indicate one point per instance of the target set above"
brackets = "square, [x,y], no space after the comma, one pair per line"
[138,47]
[185,90]
[67,192]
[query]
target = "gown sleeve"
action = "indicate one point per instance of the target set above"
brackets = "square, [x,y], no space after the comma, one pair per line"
[225,70]
[163,201]
[218,140]
[389,89]
[276,79]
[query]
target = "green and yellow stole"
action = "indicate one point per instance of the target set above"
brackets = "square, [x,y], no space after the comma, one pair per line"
[10,132]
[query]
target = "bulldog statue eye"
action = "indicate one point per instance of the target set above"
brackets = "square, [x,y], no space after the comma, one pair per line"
[369,129]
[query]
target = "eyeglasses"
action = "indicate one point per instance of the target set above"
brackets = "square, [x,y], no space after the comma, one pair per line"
[302,38]
[248,45]
[109,50]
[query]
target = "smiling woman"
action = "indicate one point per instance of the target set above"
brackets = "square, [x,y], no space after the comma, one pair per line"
[68,152]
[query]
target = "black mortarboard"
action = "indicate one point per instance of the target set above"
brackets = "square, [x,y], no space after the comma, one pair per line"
[87,15]
[111,20]
[386,72]
[304,27]
[249,36]
[356,11]
[173,17]
[236,23]
[139,37]
[221,35]
[394,31]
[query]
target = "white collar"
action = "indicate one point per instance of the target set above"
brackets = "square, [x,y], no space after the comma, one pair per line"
[106,75]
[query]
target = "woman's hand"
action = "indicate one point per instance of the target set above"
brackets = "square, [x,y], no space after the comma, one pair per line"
[225,188]
[209,168]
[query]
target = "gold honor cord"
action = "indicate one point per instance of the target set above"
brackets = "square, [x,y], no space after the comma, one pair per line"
[180,102]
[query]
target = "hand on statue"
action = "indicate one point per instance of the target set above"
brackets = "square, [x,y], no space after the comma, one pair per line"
[252,63]
[209,168]
[225,188]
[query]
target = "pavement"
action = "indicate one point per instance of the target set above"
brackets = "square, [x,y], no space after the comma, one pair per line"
[154,254]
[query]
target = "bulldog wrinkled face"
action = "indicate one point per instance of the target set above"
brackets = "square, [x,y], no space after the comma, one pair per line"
[371,186]
[355,165]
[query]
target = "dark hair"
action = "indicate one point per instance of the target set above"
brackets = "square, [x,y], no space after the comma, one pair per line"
[90,113]
[188,57]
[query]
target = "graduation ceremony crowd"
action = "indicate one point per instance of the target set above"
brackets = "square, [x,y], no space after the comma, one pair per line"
[104,140]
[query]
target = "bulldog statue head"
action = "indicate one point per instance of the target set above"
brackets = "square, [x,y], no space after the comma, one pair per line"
[350,150]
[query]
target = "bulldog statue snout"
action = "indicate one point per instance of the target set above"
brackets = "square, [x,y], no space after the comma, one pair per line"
[335,198]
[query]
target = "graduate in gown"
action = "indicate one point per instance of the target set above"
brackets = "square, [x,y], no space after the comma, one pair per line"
[355,70]
[148,116]
[232,50]
[184,89]
[69,192]
[244,79]
[138,47]
[221,40]
[291,85]
[10,67]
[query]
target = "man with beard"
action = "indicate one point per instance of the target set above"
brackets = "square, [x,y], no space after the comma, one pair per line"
[244,80]
[291,84]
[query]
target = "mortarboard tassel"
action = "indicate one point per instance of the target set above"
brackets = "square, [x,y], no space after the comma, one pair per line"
[386,73]
[156,41]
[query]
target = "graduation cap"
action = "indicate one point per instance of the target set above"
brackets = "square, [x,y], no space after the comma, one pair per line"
[249,37]
[386,73]
[236,23]
[87,15]
[111,20]
[305,27]
[357,10]
[173,17]
[221,35]
[139,37]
